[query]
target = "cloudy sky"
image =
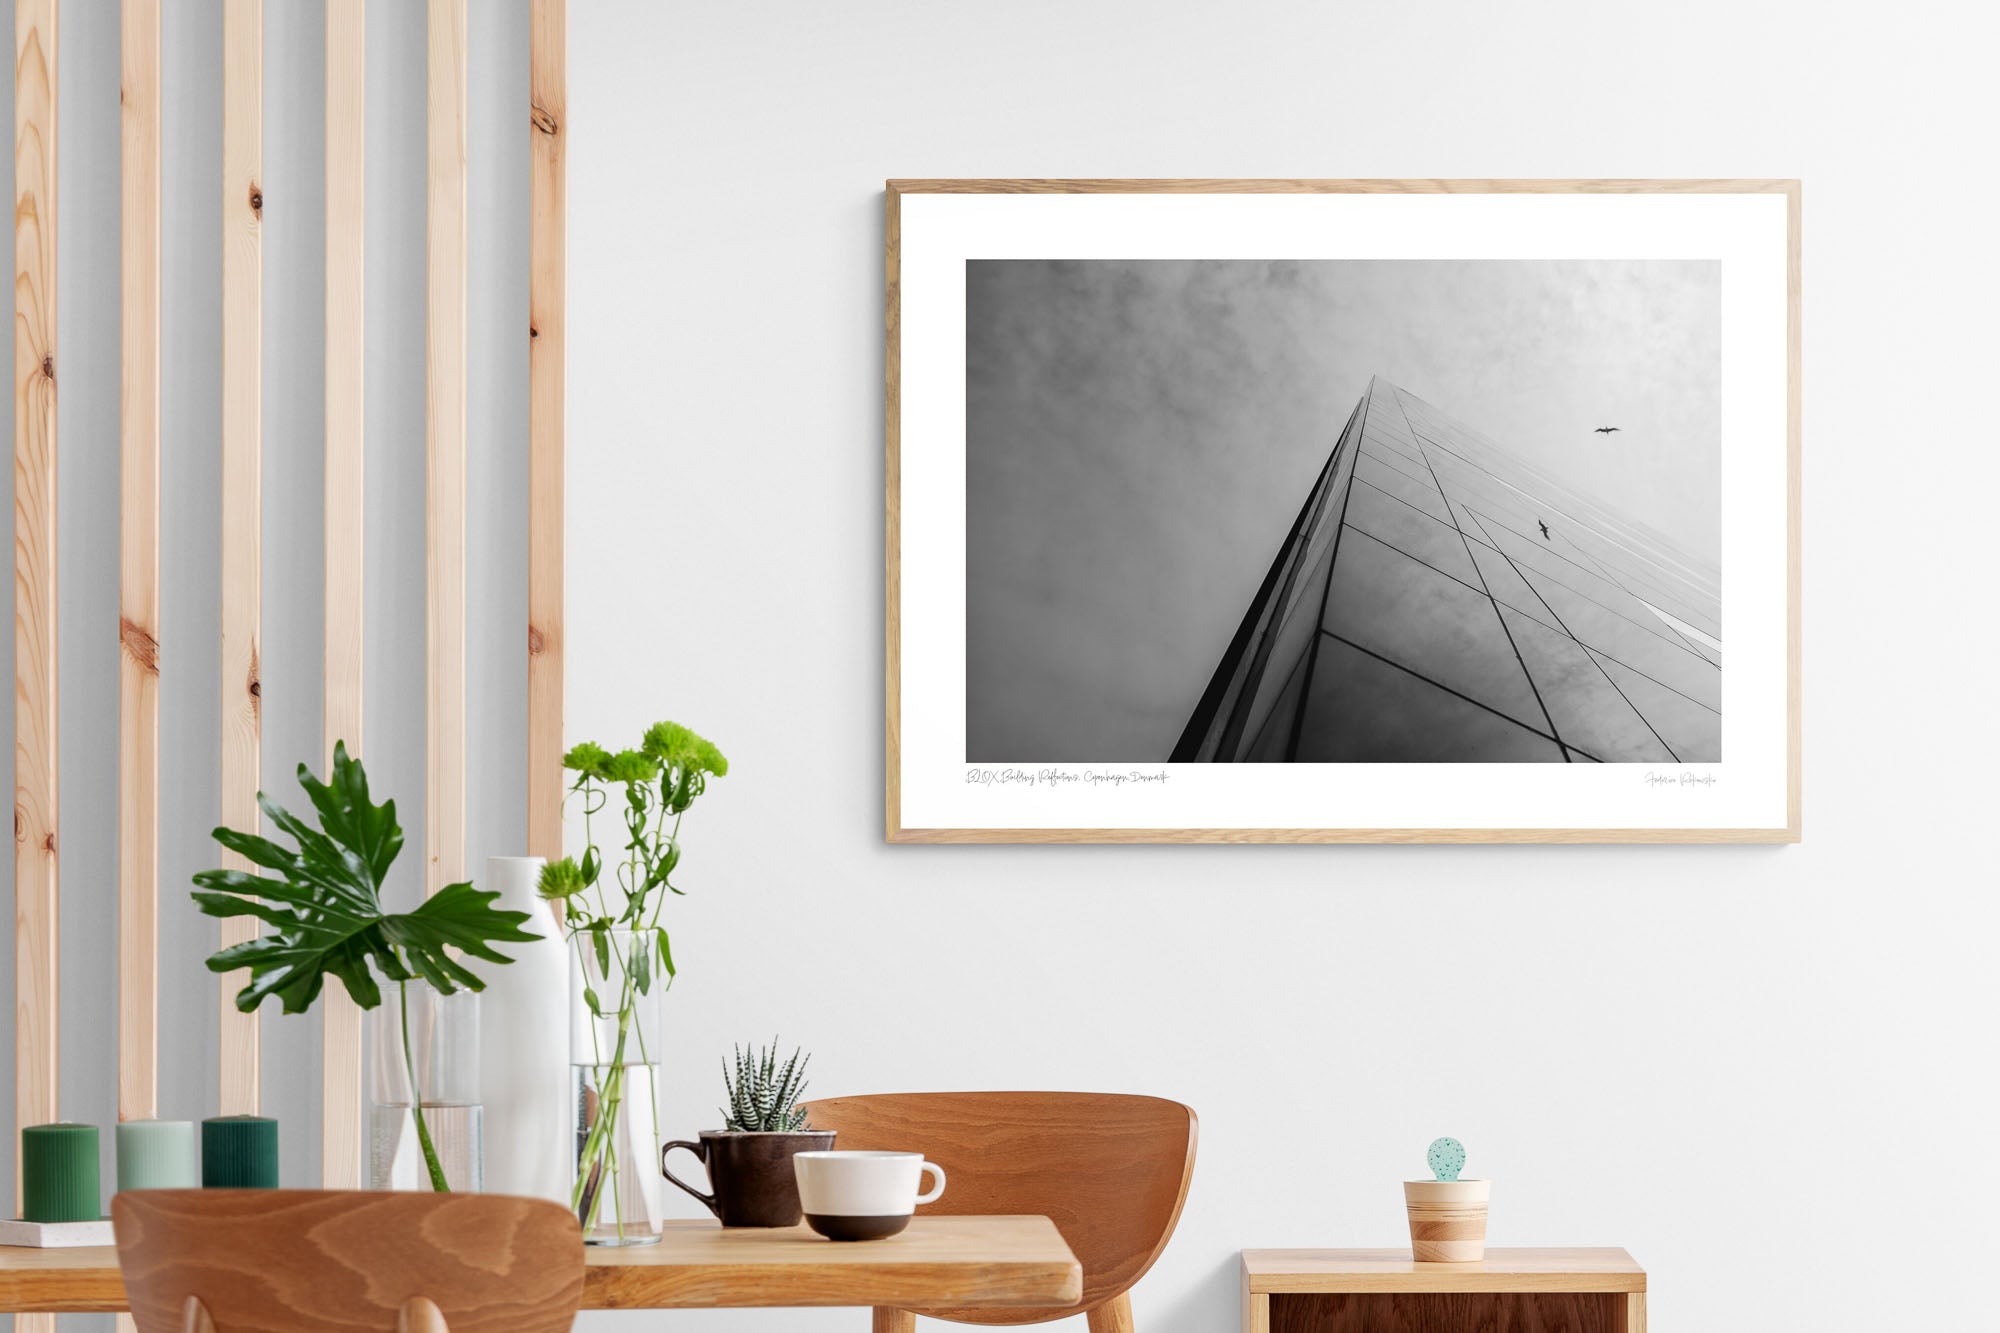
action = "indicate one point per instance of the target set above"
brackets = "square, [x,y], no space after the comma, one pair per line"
[1140,434]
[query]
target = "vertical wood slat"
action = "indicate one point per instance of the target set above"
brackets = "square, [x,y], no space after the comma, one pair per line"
[343,1140]
[242,516]
[36,1044]
[139,566]
[548,74]
[445,394]
[139,561]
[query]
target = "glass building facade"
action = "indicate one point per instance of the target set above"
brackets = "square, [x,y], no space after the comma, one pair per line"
[1437,600]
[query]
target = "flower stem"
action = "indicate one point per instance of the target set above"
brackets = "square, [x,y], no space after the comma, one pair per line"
[431,1162]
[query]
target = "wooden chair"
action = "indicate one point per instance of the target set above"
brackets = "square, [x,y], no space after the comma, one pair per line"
[1112,1172]
[334,1261]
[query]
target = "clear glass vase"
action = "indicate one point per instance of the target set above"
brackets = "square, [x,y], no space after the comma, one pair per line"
[614,1053]
[439,1044]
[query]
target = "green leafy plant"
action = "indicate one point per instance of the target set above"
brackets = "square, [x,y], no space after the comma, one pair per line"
[763,1095]
[324,917]
[614,921]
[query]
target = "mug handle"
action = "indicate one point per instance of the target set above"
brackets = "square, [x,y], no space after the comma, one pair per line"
[707,1200]
[936,1190]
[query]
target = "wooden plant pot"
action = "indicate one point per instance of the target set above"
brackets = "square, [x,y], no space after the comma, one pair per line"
[1447,1220]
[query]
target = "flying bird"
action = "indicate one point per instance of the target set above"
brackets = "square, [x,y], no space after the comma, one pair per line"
[1545,529]
[1604,430]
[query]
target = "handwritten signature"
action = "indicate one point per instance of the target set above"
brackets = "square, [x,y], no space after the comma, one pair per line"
[1659,780]
[1063,777]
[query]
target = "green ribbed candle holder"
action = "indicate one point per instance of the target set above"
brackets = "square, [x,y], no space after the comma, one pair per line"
[239,1152]
[158,1155]
[59,1174]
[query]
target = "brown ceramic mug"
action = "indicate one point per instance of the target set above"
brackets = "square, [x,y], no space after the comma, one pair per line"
[750,1174]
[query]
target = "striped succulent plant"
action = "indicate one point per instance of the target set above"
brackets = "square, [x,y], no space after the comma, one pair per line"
[763,1094]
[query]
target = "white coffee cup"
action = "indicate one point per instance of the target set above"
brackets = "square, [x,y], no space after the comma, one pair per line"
[862,1195]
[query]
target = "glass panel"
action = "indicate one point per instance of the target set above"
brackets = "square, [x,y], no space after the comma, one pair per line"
[1362,710]
[1551,561]
[1509,588]
[1410,531]
[1638,648]
[1399,450]
[1694,732]
[1409,466]
[1293,636]
[1419,493]
[1276,736]
[1323,534]
[1428,622]
[1580,698]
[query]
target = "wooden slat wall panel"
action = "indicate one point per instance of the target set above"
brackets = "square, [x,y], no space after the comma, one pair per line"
[139,566]
[445,390]
[343,1137]
[36,1043]
[548,72]
[242,469]
[139,562]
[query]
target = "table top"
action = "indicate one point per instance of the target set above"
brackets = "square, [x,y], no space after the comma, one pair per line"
[939,1262]
[1395,1270]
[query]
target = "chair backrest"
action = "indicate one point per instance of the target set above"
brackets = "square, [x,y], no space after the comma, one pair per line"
[337,1261]
[1110,1170]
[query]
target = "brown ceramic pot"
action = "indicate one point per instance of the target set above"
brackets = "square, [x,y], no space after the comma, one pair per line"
[750,1174]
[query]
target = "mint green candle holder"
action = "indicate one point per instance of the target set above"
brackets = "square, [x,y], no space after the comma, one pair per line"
[158,1155]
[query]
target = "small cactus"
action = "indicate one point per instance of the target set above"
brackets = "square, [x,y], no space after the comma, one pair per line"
[1447,1157]
[763,1094]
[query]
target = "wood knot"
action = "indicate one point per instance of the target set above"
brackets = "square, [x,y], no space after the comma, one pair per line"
[256,199]
[533,333]
[139,645]
[17,823]
[49,367]
[544,120]
[534,642]
[256,686]
[49,843]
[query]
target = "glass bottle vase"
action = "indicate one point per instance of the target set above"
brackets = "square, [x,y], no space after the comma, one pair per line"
[442,1052]
[614,1086]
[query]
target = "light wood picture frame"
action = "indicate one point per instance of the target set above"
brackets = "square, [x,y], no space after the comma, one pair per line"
[1062,583]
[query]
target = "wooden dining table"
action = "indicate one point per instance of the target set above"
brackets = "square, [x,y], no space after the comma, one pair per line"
[939,1262]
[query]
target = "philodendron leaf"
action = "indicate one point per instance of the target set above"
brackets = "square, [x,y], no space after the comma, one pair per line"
[323,909]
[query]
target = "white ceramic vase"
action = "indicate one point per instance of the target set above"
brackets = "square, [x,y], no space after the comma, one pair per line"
[524,1031]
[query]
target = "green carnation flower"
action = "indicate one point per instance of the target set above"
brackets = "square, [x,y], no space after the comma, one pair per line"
[561,879]
[588,758]
[631,766]
[679,748]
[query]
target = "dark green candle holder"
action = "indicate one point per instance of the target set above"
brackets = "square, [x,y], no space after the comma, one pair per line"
[59,1174]
[239,1152]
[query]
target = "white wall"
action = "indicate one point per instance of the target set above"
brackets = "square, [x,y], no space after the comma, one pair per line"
[1767,1071]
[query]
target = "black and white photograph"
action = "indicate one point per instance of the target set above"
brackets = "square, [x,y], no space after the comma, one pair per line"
[1299,510]
[1327,511]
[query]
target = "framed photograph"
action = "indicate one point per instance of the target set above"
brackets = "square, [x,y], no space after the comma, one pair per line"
[1343,511]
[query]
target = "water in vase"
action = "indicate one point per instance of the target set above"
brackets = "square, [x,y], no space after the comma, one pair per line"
[618,1193]
[396,1154]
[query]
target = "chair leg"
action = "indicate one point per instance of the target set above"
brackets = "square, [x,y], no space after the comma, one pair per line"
[1114,1316]
[194,1317]
[420,1315]
[889,1320]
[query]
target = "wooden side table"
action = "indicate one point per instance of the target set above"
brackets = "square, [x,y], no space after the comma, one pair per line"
[1385,1291]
